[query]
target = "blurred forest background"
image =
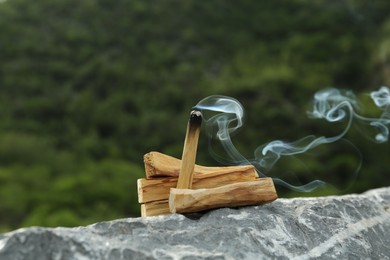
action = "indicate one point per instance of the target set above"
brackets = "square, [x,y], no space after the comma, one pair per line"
[88,87]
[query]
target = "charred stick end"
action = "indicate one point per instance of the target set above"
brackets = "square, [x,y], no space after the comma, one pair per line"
[195,118]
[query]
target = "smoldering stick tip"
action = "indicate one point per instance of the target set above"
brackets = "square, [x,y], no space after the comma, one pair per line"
[196,117]
[195,113]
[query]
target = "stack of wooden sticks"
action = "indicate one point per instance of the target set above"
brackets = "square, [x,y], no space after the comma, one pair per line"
[180,186]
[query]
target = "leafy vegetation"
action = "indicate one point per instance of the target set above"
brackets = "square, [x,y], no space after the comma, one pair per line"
[88,87]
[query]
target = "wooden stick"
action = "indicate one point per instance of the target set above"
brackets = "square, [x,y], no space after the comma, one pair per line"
[161,165]
[189,151]
[155,208]
[255,192]
[159,188]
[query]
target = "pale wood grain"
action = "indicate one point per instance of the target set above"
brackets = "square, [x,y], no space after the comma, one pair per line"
[159,165]
[158,188]
[189,151]
[255,192]
[155,208]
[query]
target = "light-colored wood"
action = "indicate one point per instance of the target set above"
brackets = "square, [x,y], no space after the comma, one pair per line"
[189,151]
[155,208]
[158,188]
[161,165]
[255,192]
[260,191]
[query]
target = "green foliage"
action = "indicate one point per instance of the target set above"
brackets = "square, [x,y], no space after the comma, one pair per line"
[88,87]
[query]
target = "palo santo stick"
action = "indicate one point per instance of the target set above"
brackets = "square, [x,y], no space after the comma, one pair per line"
[158,188]
[155,208]
[162,165]
[189,151]
[255,192]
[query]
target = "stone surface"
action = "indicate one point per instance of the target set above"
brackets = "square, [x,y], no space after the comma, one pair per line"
[345,227]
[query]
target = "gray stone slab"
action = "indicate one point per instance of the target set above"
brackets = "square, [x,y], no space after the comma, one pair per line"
[339,227]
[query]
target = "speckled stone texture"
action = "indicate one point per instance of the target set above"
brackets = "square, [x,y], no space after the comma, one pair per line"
[345,227]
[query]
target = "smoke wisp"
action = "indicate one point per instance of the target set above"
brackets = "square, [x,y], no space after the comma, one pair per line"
[331,104]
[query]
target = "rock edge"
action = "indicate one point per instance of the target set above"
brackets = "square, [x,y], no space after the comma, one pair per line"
[350,226]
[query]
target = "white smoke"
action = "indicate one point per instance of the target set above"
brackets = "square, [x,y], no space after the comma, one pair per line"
[330,104]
